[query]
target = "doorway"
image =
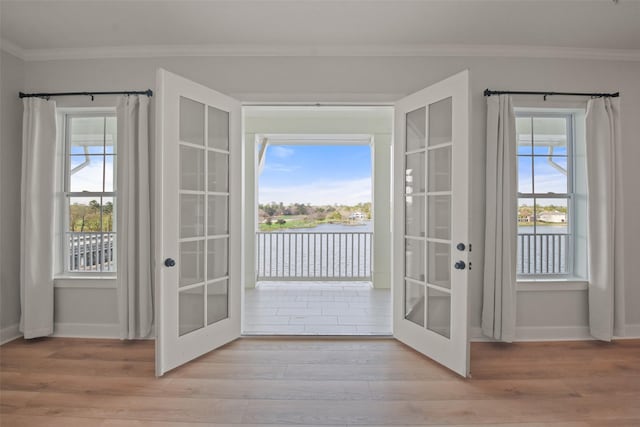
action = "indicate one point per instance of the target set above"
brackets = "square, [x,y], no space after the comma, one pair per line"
[203,207]
[320,241]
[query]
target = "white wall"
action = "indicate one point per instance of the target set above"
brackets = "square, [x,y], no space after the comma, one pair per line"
[363,79]
[11,82]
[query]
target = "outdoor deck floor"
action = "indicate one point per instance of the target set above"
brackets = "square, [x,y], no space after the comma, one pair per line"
[317,308]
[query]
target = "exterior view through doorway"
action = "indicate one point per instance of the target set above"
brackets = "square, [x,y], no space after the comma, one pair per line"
[315,224]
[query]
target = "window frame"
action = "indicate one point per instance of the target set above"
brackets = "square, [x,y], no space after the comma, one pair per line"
[66,116]
[570,118]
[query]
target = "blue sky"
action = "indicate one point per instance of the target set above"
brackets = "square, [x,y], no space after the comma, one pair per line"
[316,174]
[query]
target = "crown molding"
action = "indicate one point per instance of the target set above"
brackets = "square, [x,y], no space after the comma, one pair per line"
[12,48]
[244,50]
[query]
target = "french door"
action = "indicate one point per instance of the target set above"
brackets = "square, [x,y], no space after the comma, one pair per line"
[198,213]
[431,214]
[198,134]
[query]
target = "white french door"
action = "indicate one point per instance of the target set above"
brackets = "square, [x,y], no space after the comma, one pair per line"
[431,216]
[198,258]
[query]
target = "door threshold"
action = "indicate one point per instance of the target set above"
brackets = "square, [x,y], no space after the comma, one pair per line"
[316,336]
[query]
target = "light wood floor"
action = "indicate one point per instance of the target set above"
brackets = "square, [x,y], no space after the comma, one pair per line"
[315,381]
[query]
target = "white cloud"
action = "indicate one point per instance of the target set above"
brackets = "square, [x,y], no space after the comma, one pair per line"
[281,167]
[89,178]
[346,192]
[281,152]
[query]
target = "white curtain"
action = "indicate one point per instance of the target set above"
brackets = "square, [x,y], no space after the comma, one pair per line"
[133,218]
[499,297]
[606,293]
[37,222]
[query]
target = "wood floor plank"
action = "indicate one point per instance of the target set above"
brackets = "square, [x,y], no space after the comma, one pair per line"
[336,382]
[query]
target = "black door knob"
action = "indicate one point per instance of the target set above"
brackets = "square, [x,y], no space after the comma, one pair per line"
[460,246]
[169,262]
[460,265]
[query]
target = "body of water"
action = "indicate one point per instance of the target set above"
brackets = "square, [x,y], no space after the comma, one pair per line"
[363,227]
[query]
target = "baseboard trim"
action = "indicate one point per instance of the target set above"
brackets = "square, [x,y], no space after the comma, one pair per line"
[10,333]
[554,333]
[540,333]
[631,332]
[86,330]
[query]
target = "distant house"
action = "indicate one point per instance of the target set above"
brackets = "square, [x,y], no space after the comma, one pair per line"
[356,216]
[525,218]
[553,217]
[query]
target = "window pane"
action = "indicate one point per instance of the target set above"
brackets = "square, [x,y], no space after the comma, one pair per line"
[108,214]
[109,173]
[550,175]
[86,173]
[550,135]
[523,135]
[525,174]
[84,214]
[551,215]
[551,241]
[87,135]
[526,238]
[111,135]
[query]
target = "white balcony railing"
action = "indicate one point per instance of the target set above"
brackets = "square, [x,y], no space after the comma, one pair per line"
[542,254]
[314,256]
[93,251]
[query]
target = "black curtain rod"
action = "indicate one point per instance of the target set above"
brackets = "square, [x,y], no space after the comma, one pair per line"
[489,92]
[147,92]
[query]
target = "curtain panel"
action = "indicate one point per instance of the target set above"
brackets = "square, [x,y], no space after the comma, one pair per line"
[133,218]
[37,223]
[606,292]
[499,290]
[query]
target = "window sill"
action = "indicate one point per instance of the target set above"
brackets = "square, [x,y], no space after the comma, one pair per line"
[91,282]
[543,285]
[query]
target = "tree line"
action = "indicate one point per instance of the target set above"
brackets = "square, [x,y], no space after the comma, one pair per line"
[88,218]
[271,211]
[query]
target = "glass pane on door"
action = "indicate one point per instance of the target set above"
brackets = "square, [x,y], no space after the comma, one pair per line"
[217,301]
[440,122]
[439,312]
[414,302]
[416,126]
[191,121]
[191,310]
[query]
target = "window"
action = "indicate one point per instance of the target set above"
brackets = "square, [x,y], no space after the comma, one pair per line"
[546,207]
[89,193]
